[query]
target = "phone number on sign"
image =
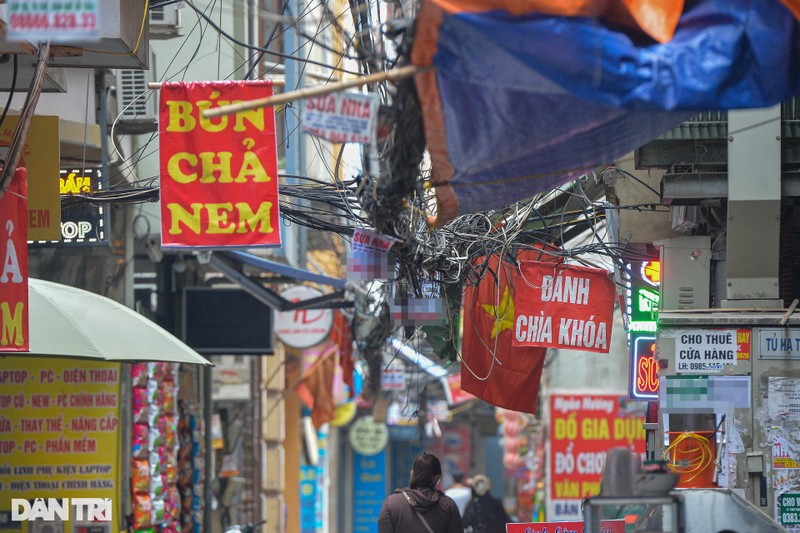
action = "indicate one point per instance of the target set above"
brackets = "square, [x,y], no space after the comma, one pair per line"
[56,21]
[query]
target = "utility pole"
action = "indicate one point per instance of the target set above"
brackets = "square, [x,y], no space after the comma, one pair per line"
[295,243]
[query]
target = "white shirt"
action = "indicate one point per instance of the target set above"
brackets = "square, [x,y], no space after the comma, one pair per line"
[461,495]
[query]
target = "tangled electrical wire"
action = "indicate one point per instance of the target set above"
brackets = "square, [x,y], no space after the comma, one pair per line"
[396,201]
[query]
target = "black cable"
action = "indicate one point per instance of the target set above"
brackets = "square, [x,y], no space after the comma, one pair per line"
[266,45]
[264,50]
[636,179]
[10,92]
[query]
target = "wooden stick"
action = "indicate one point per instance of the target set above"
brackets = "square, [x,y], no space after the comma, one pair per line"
[156,85]
[789,312]
[300,94]
[289,390]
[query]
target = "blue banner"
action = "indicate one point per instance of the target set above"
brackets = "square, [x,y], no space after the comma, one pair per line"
[308,497]
[369,491]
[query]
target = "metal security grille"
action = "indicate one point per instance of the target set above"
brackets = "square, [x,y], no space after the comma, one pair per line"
[133,102]
[157,14]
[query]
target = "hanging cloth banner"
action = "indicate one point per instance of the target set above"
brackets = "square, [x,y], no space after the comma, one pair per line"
[342,117]
[14,276]
[219,177]
[564,306]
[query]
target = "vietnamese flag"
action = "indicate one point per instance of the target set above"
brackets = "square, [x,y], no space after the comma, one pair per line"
[492,368]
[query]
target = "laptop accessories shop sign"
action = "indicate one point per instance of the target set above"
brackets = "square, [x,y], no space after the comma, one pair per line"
[50,509]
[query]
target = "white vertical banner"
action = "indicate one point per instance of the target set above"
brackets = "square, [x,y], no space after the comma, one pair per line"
[342,117]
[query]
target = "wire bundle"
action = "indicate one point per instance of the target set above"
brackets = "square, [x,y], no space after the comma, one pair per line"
[697,451]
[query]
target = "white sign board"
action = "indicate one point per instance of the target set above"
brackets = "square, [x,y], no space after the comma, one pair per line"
[342,117]
[303,328]
[230,378]
[784,398]
[704,351]
[52,20]
[393,377]
[778,343]
[368,258]
[368,437]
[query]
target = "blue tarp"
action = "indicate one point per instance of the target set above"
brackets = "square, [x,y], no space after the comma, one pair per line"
[520,104]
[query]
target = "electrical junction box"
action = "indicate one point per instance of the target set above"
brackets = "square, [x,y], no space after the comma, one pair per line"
[685,273]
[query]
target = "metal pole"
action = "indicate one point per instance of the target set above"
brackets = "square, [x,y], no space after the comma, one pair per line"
[295,160]
[208,410]
[252,38]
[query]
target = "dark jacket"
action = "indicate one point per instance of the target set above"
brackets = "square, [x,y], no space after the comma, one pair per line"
[440,511]
[485,514]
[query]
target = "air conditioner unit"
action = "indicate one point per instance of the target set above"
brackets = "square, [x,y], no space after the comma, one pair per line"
[684,218]
[136,104]
[165,22]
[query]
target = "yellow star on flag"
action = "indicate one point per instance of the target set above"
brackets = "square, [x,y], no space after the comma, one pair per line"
[503,314]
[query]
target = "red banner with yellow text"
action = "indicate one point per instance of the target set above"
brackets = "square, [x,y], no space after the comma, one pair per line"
[564,306]
[14,275]
[583,427]
[219,176]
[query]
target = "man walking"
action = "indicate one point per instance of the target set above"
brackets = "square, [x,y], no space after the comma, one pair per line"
[460,493]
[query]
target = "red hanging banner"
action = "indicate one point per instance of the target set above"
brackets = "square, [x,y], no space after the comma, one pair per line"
[219,177]
[563,306]
[14,275]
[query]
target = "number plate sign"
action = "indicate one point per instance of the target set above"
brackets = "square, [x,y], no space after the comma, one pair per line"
[59,21]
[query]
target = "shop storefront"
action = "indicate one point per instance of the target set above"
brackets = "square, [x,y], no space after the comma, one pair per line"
[60,438]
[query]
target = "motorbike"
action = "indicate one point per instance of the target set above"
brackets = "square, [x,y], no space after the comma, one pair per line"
[247,528]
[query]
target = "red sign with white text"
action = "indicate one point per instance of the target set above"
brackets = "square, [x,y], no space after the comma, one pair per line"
[606,526]
[453,392]
[563,306]
[583,427]
[219,176]
[14,274]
